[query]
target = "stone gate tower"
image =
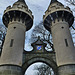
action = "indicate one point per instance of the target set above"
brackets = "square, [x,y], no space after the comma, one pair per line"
[18,19]
[57,20]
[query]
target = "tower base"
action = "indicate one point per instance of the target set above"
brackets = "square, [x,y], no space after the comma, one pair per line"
[10,70]
[66,70]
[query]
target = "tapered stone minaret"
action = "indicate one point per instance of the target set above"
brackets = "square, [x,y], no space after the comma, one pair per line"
[57,20]
[18,19]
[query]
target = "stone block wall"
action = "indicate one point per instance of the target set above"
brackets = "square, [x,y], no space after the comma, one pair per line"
[10,70]
[66,70]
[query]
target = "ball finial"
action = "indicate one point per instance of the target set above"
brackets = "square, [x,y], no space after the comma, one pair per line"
[52,1]
[21,0]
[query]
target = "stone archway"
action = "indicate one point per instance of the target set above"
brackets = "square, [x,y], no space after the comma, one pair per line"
[49,61]
[39,54]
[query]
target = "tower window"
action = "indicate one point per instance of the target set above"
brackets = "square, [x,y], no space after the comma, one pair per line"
[66,42]
[62,27]
[58,20]
[14,27]
[11,43]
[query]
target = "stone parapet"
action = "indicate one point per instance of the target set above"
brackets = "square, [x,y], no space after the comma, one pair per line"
[57,11]
[18,12]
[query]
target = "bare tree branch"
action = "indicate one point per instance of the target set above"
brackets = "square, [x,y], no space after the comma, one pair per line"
[73,27]
[71,2]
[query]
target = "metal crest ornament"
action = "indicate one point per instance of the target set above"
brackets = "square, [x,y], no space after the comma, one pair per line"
[39,47]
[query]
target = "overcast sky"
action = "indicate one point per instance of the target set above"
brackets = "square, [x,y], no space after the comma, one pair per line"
[38,7]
